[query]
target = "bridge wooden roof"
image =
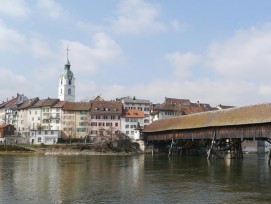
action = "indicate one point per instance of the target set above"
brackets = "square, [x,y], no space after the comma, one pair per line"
[253,114]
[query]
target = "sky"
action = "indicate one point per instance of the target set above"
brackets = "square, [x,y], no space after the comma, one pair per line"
[216,52]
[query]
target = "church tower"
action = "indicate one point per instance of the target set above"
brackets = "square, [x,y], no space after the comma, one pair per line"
[66,87]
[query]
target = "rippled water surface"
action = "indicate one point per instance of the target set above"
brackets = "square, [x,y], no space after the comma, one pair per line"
[133,179]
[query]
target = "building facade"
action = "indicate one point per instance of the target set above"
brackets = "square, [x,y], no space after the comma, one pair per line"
[137,104]
[105,118]
[130,120]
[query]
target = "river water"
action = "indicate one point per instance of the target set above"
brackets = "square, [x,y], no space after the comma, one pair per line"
[30,178]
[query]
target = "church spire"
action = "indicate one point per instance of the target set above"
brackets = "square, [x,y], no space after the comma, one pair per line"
[68,62]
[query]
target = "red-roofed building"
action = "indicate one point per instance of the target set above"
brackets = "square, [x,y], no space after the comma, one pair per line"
[105,118]
[130,120]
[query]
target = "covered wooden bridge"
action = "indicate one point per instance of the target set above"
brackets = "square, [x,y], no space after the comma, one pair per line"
[218,131]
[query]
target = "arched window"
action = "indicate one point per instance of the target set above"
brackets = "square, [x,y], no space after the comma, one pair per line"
[69,91]
[61,82]
[70,82]
[60,91]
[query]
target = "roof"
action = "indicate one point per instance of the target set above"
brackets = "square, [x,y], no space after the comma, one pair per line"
[67,71]
[106,107]
[28,103]
[254,114]
[76,106]
[177,101]
[60,104]
[129,99]
[14,102]
[45,102]
[132,113]
[183,108]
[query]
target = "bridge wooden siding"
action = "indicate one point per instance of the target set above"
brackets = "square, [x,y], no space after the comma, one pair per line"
[249,122]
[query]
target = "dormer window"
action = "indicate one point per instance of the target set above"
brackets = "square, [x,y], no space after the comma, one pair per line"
[106,109]
[96,109]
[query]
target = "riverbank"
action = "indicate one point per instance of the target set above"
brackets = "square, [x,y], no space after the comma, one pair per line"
[68,149]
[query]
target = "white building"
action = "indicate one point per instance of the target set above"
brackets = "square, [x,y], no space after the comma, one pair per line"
[138,104]
[66,87]
[7,109]
[129,122]
[56,115]
[21,122]
[47,137]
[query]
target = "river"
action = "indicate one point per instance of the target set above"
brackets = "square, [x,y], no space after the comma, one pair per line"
[31,178]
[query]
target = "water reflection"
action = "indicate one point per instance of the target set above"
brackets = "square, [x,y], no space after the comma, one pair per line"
[133,179]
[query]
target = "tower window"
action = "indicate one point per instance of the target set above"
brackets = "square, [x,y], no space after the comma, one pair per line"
[61,82]
[69,91]
[60,91]
[70,82]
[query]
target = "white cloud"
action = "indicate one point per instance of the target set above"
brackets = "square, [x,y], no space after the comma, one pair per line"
[14,8]
[103,51]
[182,62]
[10,40]
[177,25]
[136,16]
[15,83]
[40,49]
[247,55]
[51,9]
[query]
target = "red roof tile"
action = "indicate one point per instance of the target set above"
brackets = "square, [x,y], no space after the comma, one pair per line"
[132,113]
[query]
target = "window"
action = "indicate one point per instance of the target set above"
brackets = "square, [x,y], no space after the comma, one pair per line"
[83,112]
[61,83]
[83,123]
[127,120]
[126,126]
[108,124]
[127,132]
[39,139]
[36,112]
[52,132]
[93,124]
[46,132]
[69,91]
[70,82]
[112,117]
[60,91]
[132,132]
[116,124]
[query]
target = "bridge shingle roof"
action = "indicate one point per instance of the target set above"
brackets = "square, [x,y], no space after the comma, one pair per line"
[253,114]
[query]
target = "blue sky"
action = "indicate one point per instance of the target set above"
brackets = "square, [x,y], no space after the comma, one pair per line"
[217,52]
